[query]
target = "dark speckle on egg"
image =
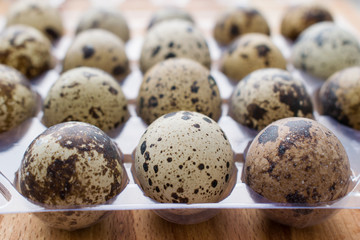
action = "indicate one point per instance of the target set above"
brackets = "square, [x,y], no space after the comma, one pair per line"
[262,50]
[155,51]
[269,134]
[88,51]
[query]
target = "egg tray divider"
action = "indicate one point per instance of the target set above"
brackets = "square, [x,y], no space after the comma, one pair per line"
[14,143]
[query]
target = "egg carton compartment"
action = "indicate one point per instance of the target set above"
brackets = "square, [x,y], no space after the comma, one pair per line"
[14,143]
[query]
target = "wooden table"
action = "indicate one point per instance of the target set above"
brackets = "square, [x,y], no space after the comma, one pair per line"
[229,223]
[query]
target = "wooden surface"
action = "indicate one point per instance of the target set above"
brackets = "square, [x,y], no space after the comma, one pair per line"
[228,224]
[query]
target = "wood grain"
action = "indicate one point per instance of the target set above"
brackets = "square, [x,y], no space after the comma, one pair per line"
[145,224]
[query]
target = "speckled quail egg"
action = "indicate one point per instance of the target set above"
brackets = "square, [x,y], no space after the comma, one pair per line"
[25,49]
[107,19]
[250,52]
[235,22]
[178,84]
[324,48]
[87,95]
[175,38]
[169,13]
[98,48]
[340,97]
[297,161]
[71,165]
[37,14]
[297,18]
[184,157]
[267,95]
[17,100]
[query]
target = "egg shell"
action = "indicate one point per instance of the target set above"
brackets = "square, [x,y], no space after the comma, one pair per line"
[178,84]
[87,95]
[37,14]
[323,49]
[184,157]
[107,19]
[72,220]
[169,13]
[71,165]
[248,53]
[340,97]
[235,22]
[25,49]
[18,101]
[100,49]
[297,161]
[297,18]
[267,95]
[299,217]
[175,38]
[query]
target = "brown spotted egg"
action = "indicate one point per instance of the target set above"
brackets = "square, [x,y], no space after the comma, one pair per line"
[87,95]
[17,100]
[297,18]
[169,13]
[174,38]
[267,95]
[25,49]
[297,161]
[235,22]
[104,18]
[184,157]
[38,14]
[100,49]
[70,165]
[340,97]
[250,52]
[178,84]
[325,48]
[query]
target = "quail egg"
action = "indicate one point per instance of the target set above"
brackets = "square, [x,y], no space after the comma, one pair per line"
[178,84]
[107,19]
[340,97]
[297,18]
[250,52]
[184,157]
[87,95]
[18,101]
[98,48]
[170,39]
[297,161]
[324,48]
[267,95]
[37,14]
[235,22]
[169,13]
[25,49]
[71,165]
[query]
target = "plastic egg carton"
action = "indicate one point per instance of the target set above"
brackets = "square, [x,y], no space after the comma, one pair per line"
[14,143]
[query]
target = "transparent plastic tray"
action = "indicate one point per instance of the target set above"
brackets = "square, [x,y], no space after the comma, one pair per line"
[14,143]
